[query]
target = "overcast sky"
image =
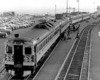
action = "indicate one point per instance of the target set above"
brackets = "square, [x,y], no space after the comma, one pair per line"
[45,6]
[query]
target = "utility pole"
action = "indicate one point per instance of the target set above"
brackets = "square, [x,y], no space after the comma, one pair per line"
[78,5]
[69,9]
[66,6]
[55,11]
[94,6]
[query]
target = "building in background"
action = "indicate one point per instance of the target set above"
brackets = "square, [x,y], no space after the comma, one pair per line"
[98,10]
[8,13]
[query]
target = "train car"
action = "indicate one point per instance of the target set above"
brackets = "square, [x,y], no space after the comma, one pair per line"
[86,16]
[24,52]
[80,17]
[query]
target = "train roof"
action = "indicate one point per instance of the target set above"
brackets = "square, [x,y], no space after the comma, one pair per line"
[35,33]
[40,30]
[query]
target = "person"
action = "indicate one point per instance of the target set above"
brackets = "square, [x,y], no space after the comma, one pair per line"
[68,32]
[70,27]
[77,35]
[73,27]
[65,36]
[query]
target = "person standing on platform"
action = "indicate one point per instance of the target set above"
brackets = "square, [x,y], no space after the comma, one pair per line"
[78,30]
[69,31]
[73,26]
[65,35]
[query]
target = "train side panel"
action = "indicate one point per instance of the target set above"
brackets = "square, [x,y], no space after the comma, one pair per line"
[43,47]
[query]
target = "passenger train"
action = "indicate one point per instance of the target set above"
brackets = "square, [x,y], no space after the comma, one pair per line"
[23,52]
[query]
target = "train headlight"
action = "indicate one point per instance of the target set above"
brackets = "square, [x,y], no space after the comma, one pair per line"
[34,42]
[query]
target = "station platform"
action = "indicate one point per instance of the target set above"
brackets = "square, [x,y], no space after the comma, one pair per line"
[51,68]
[94,66]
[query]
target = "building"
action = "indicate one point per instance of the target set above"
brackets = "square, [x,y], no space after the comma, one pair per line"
[8,13]
[98,10]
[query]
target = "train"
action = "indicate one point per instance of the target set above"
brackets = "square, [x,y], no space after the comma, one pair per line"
[24,52]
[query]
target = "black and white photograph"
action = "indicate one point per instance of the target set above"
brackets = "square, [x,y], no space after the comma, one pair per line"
[49,40]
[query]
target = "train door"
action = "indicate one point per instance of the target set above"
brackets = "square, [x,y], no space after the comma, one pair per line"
[18,54]
[18,59]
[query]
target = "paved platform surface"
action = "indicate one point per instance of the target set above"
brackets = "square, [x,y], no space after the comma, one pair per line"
[94,73]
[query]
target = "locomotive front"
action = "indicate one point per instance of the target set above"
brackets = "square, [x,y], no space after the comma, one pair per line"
[19,56]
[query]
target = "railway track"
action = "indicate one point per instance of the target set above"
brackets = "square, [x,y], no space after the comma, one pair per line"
[74,68]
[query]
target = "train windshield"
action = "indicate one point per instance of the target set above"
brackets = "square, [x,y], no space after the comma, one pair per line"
[28,50]
[8,49]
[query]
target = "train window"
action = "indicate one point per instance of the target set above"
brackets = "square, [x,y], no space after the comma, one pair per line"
[47,40]
[8,49]
[43,43]
[52,35]
[28,50]
[40,46]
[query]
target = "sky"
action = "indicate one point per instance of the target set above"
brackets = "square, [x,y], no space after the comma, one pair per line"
[46,6]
